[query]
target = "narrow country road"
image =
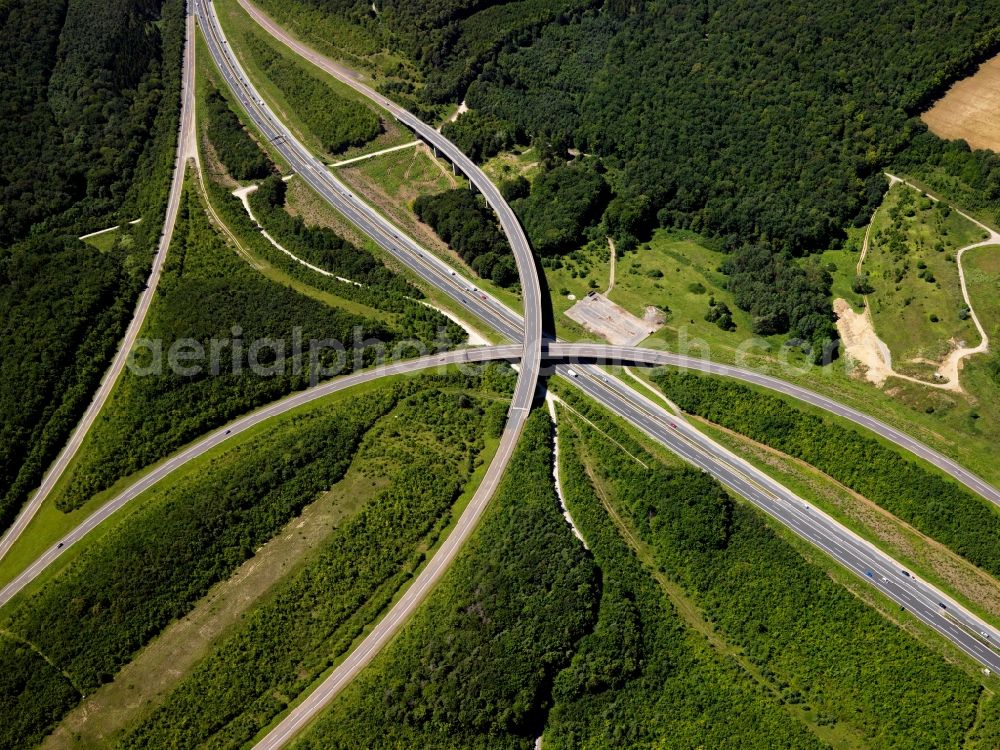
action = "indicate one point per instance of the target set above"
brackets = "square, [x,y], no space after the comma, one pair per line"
[335,192]
[855,554]
[952,365]
[186,149]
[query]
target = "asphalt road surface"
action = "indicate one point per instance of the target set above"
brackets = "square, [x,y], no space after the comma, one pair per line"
[529,334]
[65,457]
[622,400]
[172,464]
[627,354]
[922,600]
[954,622]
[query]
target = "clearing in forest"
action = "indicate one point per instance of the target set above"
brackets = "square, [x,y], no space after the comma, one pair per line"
[970,110]
[914,293]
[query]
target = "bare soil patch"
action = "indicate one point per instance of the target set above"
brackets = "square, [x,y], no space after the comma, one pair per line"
[970,110]
[862,343]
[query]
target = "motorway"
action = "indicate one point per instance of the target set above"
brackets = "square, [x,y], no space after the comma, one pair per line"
[964,629]
[185,138]
[432,270]
[635,355]
[958,625]
[952,621]
[499,316]
[458,357]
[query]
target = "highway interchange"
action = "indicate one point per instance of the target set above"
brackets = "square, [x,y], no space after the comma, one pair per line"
[852,552]
[569,361]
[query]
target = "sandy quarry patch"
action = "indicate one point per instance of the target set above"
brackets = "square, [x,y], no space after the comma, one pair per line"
[970,109]
[862,343]
[865,348]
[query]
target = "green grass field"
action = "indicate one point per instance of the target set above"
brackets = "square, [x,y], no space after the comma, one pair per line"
[406,174]
[917,304]
[964,427]
[105,240]
[391,182]
[842,265]
[982,277]
[674,272]
[936,182]
[508,164]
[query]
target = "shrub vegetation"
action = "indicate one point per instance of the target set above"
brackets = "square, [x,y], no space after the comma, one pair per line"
[816,645]
[475,666]
[237,151]
[427,448]
[936,506]
[338,122]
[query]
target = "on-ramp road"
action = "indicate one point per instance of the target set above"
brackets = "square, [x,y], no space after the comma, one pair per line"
[625,402]
[316,174]
[229,431]
[745,481]
[628,354]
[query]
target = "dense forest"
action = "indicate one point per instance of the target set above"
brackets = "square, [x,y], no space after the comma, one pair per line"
[564,201]
[784,296]
[764,128]
[425,450]
[935,505]
[444,43]
[89,87]
[474,667]
[463,220]
[238,152]
[971,178]
[557,210]
[764,124]
[643,675]
[210,294]
[90,106]
[190,534]
[481,136]
[860,676]
[767,129]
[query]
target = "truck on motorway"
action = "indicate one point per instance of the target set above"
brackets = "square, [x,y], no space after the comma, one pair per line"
[571,371]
